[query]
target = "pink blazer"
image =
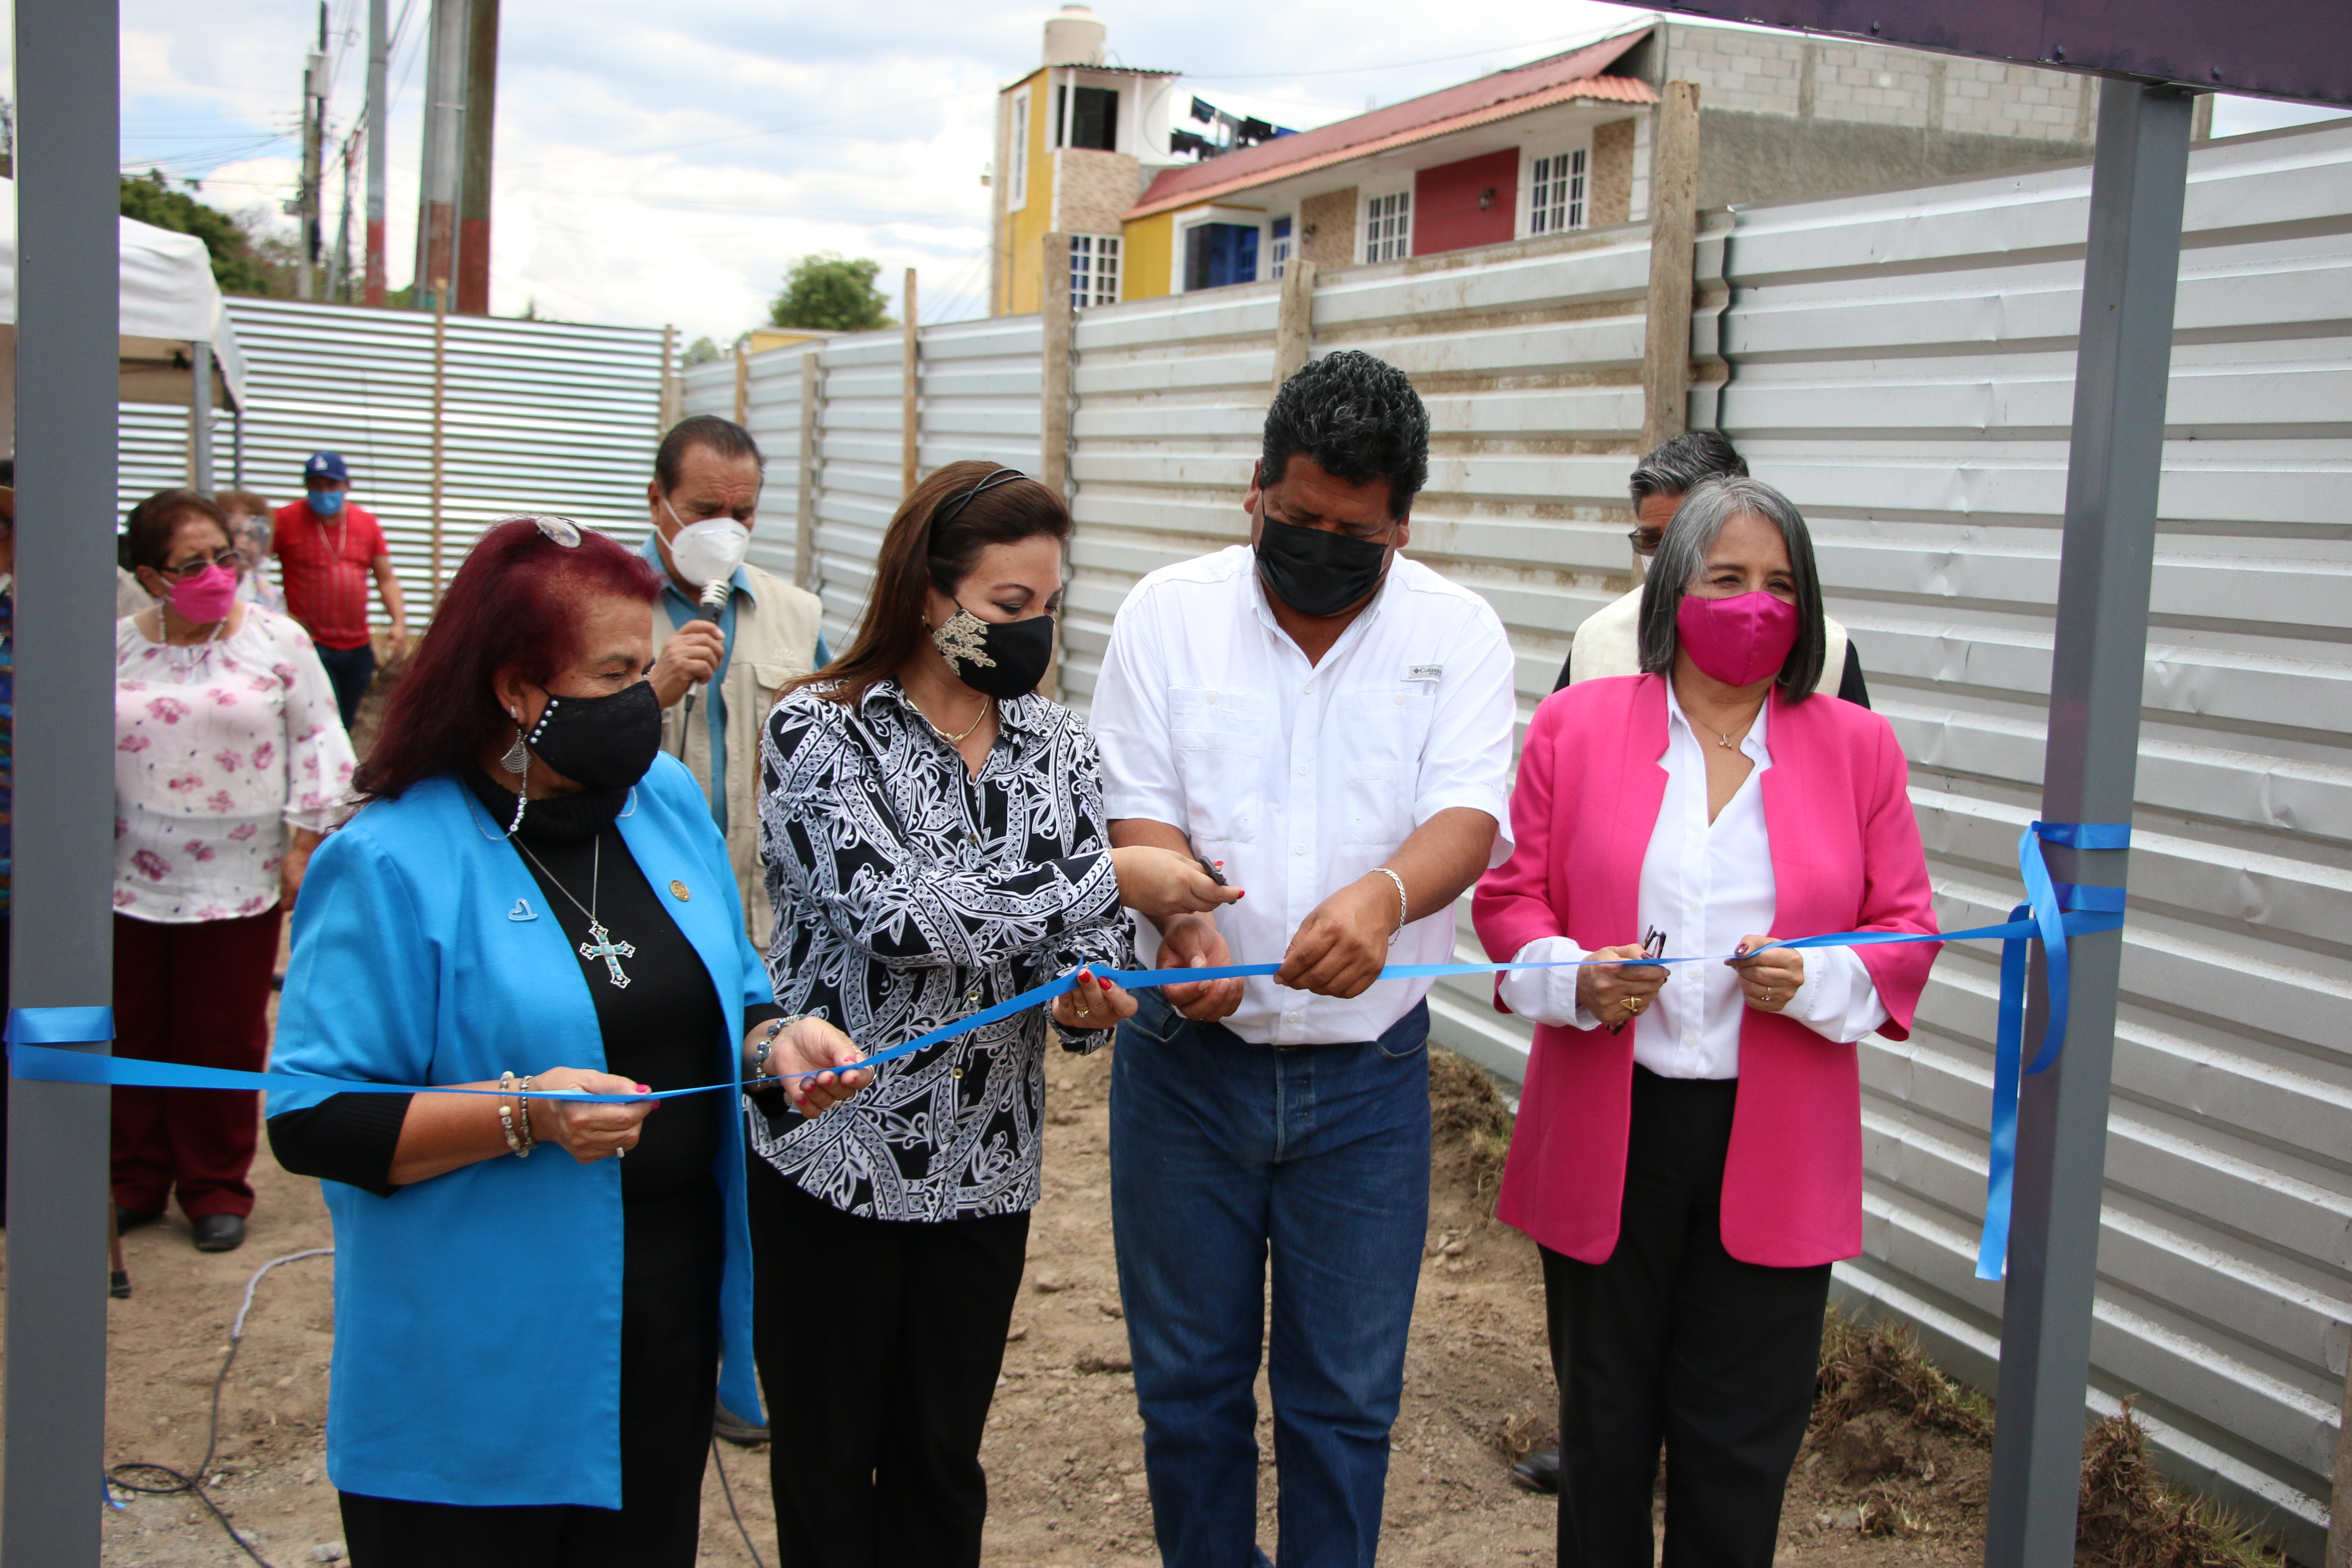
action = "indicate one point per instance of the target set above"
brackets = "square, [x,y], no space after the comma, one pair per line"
[1845,856]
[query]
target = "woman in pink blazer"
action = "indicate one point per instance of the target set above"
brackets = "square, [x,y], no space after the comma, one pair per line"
[1688,1153]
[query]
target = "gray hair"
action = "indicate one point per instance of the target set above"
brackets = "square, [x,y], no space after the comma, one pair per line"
[1682,556]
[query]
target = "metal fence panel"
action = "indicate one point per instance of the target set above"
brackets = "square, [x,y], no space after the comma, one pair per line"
[1901,364]
[537,416]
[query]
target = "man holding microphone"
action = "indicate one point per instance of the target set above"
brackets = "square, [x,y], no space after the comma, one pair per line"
[735,634]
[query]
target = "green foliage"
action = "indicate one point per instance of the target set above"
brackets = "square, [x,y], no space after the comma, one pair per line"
[243,262]
[833,292]
[702,350]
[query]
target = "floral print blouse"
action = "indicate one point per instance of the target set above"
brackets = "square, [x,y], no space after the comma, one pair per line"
[910,893]
[218,749]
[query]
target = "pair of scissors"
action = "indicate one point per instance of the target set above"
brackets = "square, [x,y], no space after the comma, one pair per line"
[1653,945]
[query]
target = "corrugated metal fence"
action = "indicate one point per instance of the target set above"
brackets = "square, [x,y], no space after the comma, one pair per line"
[1901,364]
[537,416]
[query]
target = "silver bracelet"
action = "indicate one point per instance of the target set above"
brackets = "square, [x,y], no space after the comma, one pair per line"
[767,1043]
[1404,904]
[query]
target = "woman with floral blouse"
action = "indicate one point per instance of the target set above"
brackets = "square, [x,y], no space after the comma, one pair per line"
[935,842]
[229,762]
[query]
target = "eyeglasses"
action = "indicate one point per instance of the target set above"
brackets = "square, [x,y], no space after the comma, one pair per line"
[1645,542]
[562,530]
[228,558]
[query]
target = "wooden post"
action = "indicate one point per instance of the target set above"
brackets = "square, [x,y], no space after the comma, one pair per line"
[1059,318]
[742,383]
[440,395]
[909,409]
[1053,413]
[1674,223]
[804,572]
[1294,324]
[671,404]
[2339,1506]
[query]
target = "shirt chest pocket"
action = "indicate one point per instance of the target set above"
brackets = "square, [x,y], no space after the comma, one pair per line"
[1220,739]
[1384,734]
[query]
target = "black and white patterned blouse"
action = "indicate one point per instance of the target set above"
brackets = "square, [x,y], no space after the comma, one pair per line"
[908,894]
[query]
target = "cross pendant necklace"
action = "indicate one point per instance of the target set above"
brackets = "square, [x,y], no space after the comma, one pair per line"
[602,946]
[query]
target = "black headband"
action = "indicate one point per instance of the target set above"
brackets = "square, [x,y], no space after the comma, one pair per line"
[947,513]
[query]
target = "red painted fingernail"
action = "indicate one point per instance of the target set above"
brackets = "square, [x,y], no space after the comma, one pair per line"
[644,1089]
[1239,896]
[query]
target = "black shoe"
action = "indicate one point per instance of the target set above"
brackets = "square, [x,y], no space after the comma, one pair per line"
[128,1220]
[1539,1471]
[219,1232]
[117,1284]
[725,1423]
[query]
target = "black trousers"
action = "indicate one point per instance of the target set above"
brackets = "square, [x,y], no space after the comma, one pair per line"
[1673,1339]
[669,1382]
[880,1342]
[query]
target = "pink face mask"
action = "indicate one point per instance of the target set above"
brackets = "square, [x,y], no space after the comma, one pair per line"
[1740,640]
[207,595]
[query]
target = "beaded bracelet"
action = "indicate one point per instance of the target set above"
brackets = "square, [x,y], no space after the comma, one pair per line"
[530,1141]
[767,1043]
[506,1113]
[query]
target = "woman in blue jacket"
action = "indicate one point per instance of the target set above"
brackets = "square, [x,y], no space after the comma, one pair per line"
[532,899]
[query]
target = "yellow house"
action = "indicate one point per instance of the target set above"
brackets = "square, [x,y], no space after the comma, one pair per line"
[1076,141]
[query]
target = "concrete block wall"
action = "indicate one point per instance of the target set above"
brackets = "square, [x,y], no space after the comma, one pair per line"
[1873,84]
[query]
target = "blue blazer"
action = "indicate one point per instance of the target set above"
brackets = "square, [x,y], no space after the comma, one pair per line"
[477,1314]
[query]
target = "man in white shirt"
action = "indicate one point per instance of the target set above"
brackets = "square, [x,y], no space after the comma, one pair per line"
[1331,722]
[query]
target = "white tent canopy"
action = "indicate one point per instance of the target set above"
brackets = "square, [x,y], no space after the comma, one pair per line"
[169,304]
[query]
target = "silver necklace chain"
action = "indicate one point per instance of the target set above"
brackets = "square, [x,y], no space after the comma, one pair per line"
[603,947]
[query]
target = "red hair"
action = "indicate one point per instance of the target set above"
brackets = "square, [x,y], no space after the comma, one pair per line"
[512,607]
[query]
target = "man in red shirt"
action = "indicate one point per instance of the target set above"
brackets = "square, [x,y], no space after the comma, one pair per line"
[327,548]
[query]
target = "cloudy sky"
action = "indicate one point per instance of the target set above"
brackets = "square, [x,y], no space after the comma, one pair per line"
[664,163]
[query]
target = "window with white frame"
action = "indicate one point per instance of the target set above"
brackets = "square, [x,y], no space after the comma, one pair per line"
[1018,196]
[1556,193]
[1279,250]
[1094,270]
[1388,227]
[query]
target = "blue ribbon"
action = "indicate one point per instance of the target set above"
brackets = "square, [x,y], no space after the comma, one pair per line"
[2052,910]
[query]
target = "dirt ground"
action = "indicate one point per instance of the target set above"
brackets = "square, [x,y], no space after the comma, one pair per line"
[1065,1447]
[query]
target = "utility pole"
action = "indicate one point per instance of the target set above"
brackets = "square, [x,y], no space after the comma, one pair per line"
[445,111]
[473,195]
[306,202]
[379,58]
[339,276]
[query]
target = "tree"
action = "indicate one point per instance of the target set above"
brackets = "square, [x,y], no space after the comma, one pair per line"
[830,291]
[702,350]
[244,262]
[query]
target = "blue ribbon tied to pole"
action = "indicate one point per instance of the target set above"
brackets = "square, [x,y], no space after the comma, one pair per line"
[2053,912]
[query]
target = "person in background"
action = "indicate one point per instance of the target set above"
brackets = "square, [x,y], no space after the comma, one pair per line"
[527,1348]
[1605,643]
[228,768]
[1332,720]
[716,680]
[249,531]
[328,547]
[935,844]
[1688,1150]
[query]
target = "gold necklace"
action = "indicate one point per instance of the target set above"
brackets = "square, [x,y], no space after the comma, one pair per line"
[1727,738]
[953,739]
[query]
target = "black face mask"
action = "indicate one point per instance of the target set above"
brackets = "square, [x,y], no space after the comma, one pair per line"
[603,743]
[997,659]
[1314,572]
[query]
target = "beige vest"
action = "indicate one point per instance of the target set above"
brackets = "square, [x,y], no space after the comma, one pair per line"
[775,642]
[1608,643]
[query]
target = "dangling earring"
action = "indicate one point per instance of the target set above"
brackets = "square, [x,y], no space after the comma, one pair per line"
[517,762]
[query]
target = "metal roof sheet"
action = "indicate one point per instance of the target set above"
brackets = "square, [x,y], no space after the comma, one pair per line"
[1558,80]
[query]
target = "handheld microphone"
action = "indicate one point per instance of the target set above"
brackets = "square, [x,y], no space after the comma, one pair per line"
[713,602]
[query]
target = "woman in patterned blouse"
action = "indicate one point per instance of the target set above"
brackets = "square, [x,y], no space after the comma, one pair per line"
[229,764]
[935,842]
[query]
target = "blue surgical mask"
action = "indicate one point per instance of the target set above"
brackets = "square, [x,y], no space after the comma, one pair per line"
[326,503]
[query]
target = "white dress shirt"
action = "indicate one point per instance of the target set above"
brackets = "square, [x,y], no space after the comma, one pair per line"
[1705,885]
[1301,778]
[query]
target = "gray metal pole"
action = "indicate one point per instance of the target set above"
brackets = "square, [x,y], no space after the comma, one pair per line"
[378,151]
[66,154]
[200,416]
[2115,460]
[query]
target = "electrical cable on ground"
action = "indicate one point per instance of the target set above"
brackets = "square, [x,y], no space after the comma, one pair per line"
[193,1486]
[728,1488]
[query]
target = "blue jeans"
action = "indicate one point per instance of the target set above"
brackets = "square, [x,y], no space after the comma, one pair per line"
[350,671]
[1220,1153]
